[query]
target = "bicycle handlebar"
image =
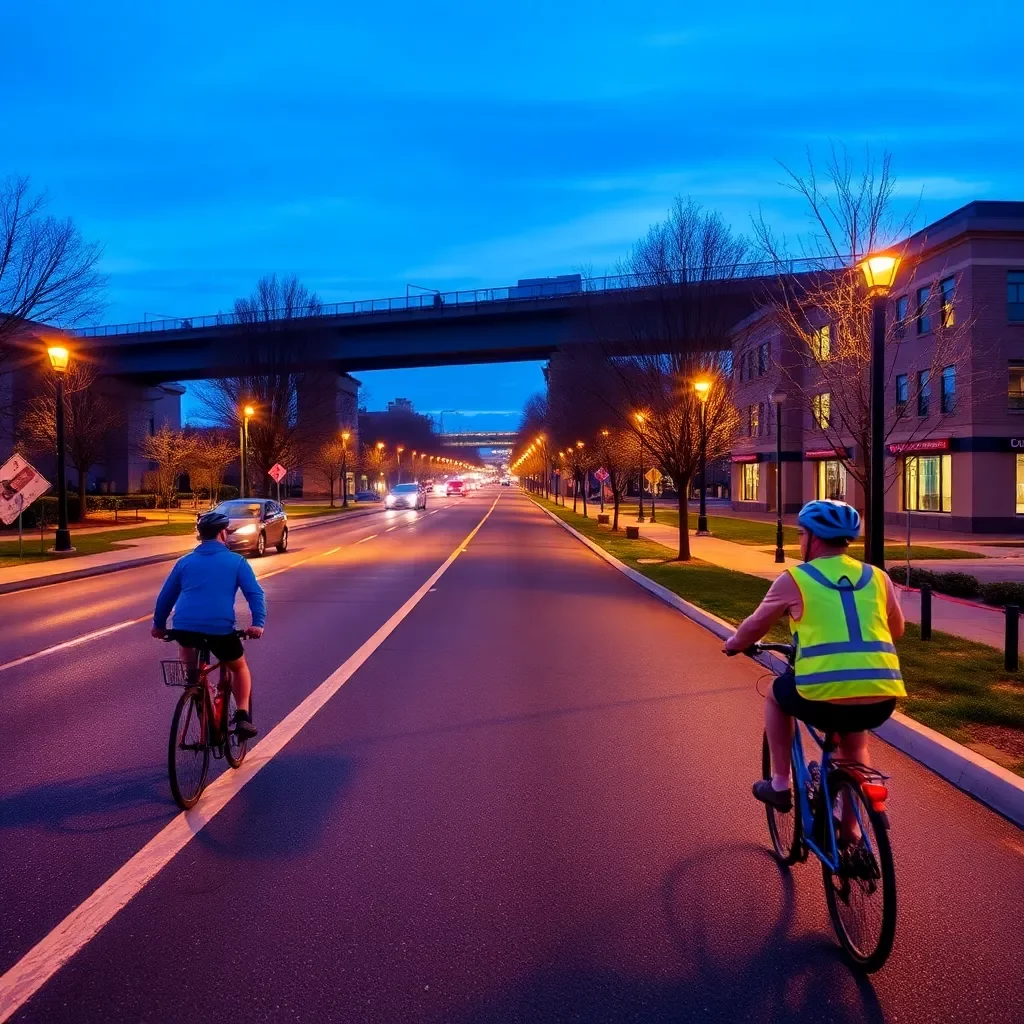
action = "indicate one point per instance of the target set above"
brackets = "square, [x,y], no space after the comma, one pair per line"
[786,650]
[169,636]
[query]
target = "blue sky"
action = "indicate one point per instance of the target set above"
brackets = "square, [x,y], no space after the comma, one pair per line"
[369,146]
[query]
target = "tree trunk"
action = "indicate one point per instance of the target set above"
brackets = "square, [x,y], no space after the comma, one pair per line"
[330,484]
[83,479]
[684,519]
[575,490]
[615,514]
[585,486]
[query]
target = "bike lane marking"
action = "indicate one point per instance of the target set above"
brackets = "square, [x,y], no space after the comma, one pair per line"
[41,962]
[96,634]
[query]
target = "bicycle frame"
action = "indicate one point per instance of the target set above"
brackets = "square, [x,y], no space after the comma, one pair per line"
[204,671]
[801,781]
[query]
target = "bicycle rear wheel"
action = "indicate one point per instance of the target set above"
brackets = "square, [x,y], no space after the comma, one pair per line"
[188,756]
[785,829]
[235,746]
[861,895]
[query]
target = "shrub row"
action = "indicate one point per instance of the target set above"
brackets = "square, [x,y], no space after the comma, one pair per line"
[962,584]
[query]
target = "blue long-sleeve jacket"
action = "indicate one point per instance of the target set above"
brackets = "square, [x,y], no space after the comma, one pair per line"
[201,589]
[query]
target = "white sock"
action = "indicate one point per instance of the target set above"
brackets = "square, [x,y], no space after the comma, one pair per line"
[780,783]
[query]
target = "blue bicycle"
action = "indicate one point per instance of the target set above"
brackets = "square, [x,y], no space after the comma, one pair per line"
[844,803]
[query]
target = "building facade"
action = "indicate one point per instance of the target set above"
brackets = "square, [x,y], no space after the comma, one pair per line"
[954,389]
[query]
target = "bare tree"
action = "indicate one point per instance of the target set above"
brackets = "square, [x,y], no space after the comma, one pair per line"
[376,462]
[329,460]
[825,316]
[675,331]
[270,382]
[171,450]
[89,417]
[209,455]
[618,451]
[47,270]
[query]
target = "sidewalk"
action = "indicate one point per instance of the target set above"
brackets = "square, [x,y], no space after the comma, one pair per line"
[129,553]
[974,622]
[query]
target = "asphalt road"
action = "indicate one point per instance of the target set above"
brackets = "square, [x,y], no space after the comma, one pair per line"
[530,803]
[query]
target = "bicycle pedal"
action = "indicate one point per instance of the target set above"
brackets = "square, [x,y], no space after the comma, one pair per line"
[218,752]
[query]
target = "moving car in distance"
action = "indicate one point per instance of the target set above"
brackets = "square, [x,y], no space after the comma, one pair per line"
[254,524]
[406,496]
[366,496]
[456,487]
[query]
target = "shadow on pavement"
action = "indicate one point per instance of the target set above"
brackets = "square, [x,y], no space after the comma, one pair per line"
[727,966]
[93,803]
[283,811]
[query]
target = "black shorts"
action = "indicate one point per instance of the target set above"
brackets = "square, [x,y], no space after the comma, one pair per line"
[827,715]
[224,648]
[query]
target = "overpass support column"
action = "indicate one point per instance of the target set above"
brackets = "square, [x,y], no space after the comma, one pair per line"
[327,405]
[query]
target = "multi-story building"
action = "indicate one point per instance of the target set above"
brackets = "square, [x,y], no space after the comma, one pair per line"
[955,388]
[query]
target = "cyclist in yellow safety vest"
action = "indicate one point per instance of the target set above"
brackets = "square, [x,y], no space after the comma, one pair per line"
[844,616]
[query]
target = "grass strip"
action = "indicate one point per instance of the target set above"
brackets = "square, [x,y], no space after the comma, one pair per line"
[86,543]
[955,686]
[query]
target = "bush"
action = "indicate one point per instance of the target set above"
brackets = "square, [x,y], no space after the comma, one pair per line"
[46,507]
[898,574]
[957,584]
[1003,593]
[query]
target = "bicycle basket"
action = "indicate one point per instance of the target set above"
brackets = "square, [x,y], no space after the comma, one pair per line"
[176,673]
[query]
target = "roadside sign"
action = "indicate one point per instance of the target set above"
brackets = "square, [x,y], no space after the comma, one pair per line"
[277,472]
[653,477]
[20,485]
[602,474]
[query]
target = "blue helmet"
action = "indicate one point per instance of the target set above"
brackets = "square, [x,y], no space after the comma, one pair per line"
[830,520]
[209,524]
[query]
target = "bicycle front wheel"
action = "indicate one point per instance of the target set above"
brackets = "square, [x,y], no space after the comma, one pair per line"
[235,746]
[188,756]
[783,828]
[861,894]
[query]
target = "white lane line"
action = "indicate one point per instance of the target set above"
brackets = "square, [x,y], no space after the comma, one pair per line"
[107,630]
[41,962]
[74,642]
[365,539]
[390,528]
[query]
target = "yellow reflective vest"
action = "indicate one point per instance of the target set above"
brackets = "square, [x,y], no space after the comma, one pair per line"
[843,644]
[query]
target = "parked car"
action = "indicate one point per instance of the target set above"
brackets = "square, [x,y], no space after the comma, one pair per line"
[406,496]
[456,487]
[366,496]
[254,524]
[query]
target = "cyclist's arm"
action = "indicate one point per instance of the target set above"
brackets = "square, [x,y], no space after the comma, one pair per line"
[893,611]
[253,593]
[782,596]
[165,600]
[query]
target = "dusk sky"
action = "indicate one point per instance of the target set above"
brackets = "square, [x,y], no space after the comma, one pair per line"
[365,147]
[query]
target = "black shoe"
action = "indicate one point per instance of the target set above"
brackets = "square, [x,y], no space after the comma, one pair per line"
[242,725]
[781,800]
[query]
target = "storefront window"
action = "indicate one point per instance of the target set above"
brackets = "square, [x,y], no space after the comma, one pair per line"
[1020,485]
[831,480]
[749,476]
[928,483]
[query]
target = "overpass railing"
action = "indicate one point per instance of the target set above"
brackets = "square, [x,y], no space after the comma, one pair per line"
[555,288]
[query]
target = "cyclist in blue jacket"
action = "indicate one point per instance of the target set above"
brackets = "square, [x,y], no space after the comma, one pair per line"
[201,589]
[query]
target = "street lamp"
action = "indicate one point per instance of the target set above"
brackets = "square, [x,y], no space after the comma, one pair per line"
[604,434]
[398,460]
[640,421]
[879,274]
[777,399]
[243,432]
[345,435]
[59,359]
[703,389]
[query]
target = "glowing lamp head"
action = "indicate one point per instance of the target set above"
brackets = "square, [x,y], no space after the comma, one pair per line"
[249,411]
[703,389]
[345,435]
[59,358]
[380,446]
[879,272]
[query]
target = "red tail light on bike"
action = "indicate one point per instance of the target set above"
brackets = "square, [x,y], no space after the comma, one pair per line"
[876,793]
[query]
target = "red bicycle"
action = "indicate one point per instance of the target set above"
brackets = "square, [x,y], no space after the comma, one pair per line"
[201,724]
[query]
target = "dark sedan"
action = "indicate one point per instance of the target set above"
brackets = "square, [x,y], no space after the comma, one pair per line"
[254,524]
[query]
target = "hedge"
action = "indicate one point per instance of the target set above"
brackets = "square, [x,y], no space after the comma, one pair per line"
[962,584]
[46,506]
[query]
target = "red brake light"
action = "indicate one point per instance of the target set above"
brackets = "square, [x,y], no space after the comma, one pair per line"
[876,793]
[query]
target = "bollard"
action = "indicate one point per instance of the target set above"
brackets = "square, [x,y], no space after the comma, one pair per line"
[926,611]
[603,519]
[632,533]
[1010,655]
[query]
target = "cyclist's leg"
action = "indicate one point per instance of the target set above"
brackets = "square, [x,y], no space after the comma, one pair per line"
[241,682]
[779,725]
[853,746]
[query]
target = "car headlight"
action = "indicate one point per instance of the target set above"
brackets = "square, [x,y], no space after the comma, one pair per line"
[389,500]
[246,531]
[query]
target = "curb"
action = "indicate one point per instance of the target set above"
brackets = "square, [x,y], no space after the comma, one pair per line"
[977,776]
[136,563]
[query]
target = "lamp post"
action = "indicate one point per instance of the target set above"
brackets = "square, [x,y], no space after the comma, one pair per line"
[345,435]
[59,359]
[879,273]
[640,485]
[398,461]
[604,434]
[243,433]
[777,399]
[380,462]
[583,474]
[703,389]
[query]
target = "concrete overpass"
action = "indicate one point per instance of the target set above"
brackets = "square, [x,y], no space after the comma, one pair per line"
[480,439]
